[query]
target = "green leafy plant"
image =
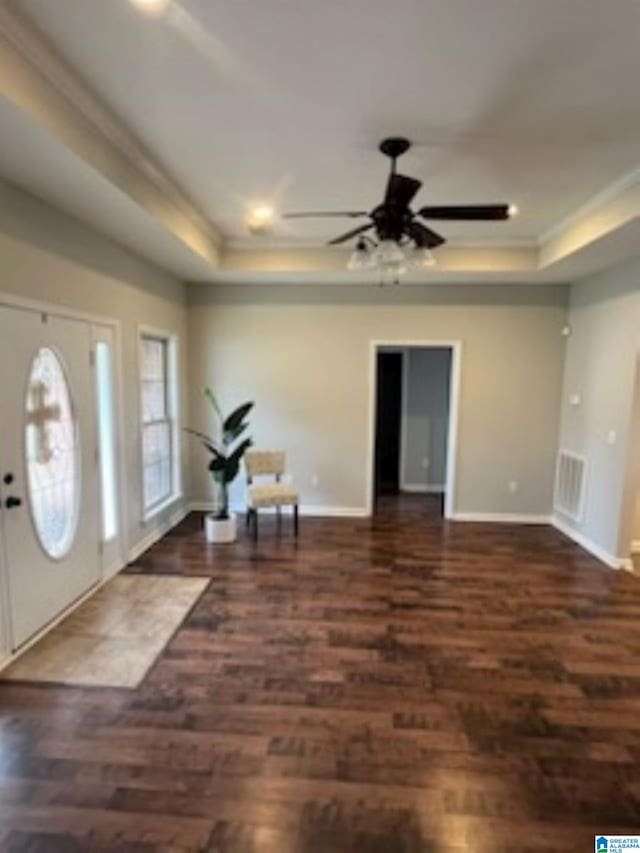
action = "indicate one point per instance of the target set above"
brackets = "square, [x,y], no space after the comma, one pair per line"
[226,453]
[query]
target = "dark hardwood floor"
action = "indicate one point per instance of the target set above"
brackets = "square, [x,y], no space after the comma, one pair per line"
[396,684]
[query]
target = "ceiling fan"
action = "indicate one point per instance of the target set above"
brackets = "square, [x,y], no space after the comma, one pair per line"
[393,221]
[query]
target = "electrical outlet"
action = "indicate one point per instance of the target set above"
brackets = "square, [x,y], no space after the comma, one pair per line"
[425,462]
[314,481]
[514,485]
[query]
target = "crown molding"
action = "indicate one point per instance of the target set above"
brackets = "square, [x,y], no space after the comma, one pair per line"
[593,204]
[256,243]
[250,244]
[37,52]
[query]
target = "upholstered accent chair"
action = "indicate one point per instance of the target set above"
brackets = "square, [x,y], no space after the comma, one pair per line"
[268,463]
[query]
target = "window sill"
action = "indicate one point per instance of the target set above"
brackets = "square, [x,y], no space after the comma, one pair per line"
[157,510]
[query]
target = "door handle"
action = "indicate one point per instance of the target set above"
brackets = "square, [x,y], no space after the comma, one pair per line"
[13,502]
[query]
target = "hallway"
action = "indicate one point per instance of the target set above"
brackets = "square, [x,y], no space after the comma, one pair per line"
[419,509]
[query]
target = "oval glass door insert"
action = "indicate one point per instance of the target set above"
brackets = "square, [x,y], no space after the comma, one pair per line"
[52,454]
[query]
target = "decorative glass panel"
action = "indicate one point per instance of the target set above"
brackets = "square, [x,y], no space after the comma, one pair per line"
[52,455]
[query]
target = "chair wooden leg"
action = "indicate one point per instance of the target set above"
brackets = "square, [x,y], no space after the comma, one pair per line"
[255,525]
[247,517]
[295,520]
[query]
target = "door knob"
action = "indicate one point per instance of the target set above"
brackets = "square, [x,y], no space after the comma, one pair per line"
[13,502]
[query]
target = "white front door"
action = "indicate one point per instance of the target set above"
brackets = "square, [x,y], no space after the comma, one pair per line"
[48,467]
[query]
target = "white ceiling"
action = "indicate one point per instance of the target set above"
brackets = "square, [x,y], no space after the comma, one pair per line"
[527,101]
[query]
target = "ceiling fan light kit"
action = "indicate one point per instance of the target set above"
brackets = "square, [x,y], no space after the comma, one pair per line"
[362,258]
[402,241]
[389,258]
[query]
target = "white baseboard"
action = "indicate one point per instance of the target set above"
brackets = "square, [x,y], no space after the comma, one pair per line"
[160,530]
[423,488]
[516,518]
[334,511]
[206,506]
[479,517]
[113,570]
[361,512]
[580,539]
[501,517]
[304,509]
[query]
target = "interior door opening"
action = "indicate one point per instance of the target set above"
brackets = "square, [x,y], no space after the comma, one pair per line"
[412,428]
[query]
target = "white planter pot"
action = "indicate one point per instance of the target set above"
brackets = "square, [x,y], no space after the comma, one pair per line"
[220,531]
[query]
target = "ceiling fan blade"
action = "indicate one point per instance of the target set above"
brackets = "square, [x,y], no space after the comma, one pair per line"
[467,211]
[424,237]
[354,233]
[312,214]
[401,190]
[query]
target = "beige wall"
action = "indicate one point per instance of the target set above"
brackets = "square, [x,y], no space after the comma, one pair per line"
[425,412]
[601,367]
[303,354]
[45,255]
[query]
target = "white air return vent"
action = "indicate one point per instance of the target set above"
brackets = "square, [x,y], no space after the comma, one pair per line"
[571,485]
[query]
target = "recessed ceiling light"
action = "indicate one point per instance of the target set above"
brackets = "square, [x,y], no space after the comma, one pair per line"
[260,218]
[152,7]
[513,210]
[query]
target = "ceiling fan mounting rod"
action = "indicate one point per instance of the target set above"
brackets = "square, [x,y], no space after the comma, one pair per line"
[394,147]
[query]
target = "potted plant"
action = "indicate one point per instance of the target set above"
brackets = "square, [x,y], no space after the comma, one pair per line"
[226,455]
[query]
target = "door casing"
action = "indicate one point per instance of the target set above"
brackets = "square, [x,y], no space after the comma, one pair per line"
[454,405]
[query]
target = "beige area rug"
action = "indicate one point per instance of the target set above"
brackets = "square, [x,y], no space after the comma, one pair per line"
[114,637]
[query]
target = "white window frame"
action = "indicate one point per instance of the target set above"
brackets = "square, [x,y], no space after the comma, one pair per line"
[173,409]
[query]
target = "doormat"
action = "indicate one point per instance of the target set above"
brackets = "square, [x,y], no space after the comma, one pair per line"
[114,637]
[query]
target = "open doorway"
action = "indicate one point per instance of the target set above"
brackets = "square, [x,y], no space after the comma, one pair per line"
[414,427]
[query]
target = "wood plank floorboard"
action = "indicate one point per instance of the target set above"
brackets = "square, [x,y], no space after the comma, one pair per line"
[396,684]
